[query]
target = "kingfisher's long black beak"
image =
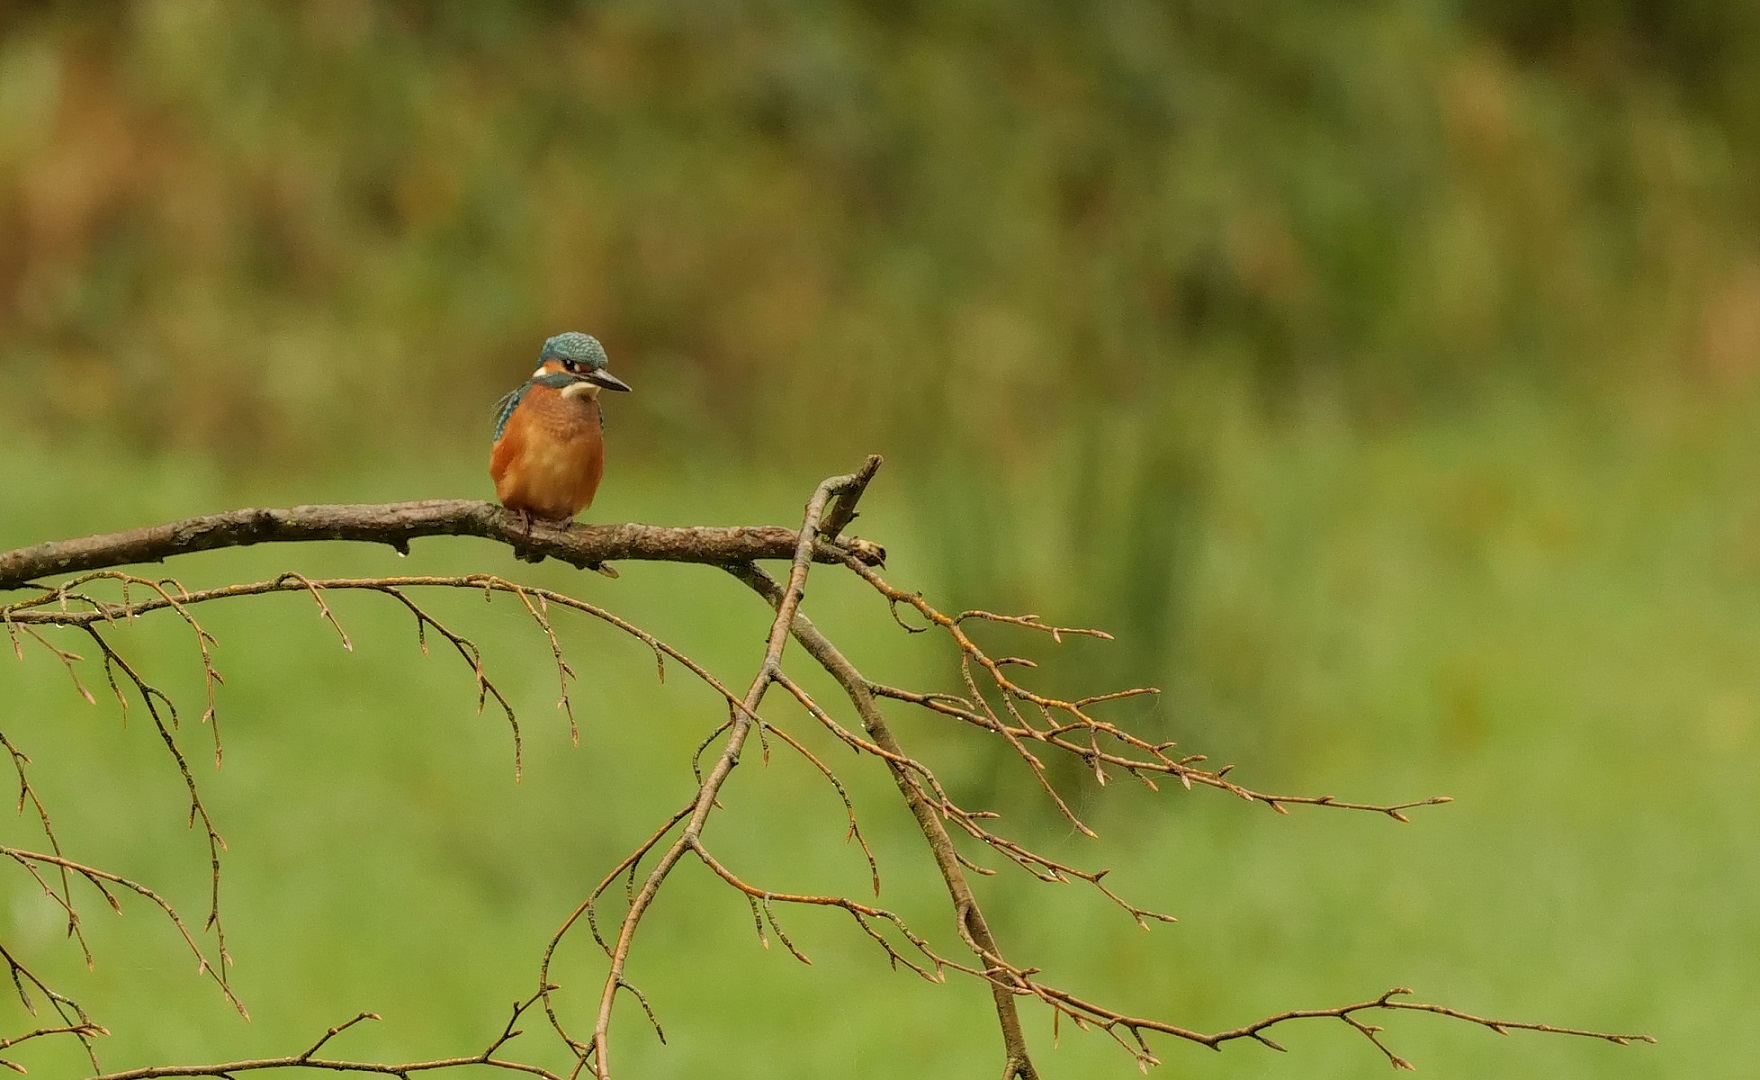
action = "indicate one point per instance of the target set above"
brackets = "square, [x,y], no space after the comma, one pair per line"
[605,379]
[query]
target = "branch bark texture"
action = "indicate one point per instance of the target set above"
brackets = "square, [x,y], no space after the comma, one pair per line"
[396,524]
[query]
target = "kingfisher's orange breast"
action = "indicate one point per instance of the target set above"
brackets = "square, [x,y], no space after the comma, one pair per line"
[551,456]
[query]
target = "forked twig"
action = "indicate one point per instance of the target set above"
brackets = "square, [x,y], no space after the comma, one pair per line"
[310,1059]
[1133,755]
[101,880]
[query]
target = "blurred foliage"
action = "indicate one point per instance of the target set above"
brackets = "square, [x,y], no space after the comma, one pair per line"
[970,225]
[1041,254]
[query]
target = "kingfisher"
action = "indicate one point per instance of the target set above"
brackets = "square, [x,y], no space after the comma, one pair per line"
[549,451]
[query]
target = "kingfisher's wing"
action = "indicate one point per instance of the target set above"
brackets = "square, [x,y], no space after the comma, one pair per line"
[504,408]
[555,380]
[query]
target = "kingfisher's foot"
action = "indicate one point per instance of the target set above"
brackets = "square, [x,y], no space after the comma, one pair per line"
[530,520]
[524,517]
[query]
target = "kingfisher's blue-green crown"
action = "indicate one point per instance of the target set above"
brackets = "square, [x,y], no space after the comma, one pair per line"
[583,360]
[581,348]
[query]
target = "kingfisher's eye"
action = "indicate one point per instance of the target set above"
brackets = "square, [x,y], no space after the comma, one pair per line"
[571,365]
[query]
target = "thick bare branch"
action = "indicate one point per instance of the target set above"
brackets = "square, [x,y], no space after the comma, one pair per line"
[396,524]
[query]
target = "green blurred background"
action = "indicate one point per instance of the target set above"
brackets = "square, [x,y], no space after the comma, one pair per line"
[1385,375]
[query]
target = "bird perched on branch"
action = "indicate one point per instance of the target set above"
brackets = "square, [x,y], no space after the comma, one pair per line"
[549,452]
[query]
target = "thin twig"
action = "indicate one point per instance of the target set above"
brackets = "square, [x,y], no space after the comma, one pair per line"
[309,1059]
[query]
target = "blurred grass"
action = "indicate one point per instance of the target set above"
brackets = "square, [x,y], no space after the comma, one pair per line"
[1547,617]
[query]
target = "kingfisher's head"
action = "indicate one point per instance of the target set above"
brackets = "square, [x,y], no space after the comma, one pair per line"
[581,359]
